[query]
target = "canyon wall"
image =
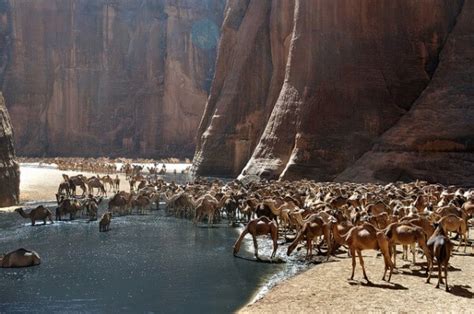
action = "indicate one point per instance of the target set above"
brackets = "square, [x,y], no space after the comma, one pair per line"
[9,170]
[100,77]
[305,88]
[435,139]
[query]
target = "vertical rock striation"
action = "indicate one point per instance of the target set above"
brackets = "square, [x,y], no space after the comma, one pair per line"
[99,77]
[348,71]
[9,170]
[249,75]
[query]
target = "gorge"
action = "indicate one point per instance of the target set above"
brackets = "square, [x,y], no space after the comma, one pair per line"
[364,90]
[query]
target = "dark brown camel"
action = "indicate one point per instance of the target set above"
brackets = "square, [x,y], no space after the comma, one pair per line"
[39,213]
[440,247]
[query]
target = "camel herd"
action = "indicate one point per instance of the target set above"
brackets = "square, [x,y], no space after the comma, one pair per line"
[417,216]
[107,165]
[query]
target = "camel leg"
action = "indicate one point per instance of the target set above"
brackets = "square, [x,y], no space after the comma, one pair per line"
[395,256]
[465,245]
[309,248]
[446,276]
[413,251]
[361,260]
[439,275]
[239,241]
[430,269]
[327,238]
[275,242]
[255,245]
[353,262]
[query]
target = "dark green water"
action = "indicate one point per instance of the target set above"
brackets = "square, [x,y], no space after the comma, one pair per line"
[146,263]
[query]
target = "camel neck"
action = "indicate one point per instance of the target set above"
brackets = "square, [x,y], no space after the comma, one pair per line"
[22,213]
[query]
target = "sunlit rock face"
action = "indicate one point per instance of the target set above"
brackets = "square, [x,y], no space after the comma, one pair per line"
[9,170]
[99,77]
[303,89]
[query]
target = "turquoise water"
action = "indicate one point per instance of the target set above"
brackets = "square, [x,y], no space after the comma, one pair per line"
[149,263]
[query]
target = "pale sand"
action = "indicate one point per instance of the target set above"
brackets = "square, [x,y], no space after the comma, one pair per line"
[326,288]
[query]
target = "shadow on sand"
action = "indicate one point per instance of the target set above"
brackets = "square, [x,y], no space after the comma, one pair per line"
[388,285]
[462,291]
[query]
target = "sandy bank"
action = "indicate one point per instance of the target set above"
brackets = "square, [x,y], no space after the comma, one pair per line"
[326,288]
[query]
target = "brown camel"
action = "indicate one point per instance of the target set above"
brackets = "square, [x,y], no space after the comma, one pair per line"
[64,188]
[257,227]
[365,237]
[39,213]
[141,203]
[67,206]
[104,223]
[75,181]
[94,183]
[117,183]
[121,200]
[20,258]
[440,248]
[206,206]
[453,223]
[107,181]
[311,229]
[398,233]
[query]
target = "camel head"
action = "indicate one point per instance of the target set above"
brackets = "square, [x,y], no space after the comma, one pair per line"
[19,209]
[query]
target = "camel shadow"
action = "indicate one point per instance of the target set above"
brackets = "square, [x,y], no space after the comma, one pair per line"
[462,291]
[390,286]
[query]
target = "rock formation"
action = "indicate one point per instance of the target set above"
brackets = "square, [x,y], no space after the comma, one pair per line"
[9,170]
[435,139]
[100,77]
[305,90]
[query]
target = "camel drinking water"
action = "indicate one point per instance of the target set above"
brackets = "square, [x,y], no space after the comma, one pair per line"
[258,227]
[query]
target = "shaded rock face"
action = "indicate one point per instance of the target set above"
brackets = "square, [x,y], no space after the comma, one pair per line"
[435,140]
[249,75]
[97,77]
[9,170]
[339,75]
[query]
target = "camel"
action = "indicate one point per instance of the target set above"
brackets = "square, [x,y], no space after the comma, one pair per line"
[75,181]
[92,205]
[453,223]
[20,258]
[39,213]
[64,188]
[311,229]
[257,227]
[104,223]
[67,206]
[141,202]
[117,183]
[207,206]
[440,248]
[121,200]
[94,183]
[365,237]
[406,235]
[107,181]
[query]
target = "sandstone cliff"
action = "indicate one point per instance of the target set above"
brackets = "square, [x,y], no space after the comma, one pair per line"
[435,140]
[100,77]
[9,170]
[317,83]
